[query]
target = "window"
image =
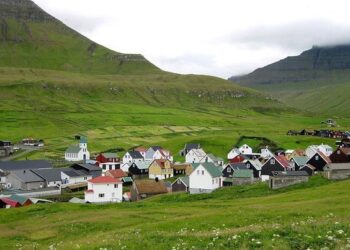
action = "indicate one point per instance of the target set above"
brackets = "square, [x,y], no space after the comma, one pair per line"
[202,172]
[213,181]
[85,178]
[110,167]
[248,165]
[317,157]
[198,172]
[104,166]
[101,195]
[229,170]
[273,161]
[115,185]
[178,182]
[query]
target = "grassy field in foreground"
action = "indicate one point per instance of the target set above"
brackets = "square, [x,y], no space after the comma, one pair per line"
[313,215]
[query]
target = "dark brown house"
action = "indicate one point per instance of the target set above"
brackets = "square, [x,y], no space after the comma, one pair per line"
[319,160]
[340,155]
[181,184]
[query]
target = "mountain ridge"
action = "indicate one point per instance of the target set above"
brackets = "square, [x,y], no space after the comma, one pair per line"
[311,64]
[32,38]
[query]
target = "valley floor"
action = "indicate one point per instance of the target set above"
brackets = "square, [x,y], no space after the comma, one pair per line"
[312,215]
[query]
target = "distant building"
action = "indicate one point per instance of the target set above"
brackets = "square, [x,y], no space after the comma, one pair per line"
[108,161]
[78,152]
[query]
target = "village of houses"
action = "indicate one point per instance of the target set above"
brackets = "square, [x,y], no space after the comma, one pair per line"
[144,172]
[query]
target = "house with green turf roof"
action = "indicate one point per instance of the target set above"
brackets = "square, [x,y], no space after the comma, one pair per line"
[205,178]
[78,152]
[299,162]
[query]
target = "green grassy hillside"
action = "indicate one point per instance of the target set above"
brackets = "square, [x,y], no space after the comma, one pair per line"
[30,38]
[313,215]
[127,111]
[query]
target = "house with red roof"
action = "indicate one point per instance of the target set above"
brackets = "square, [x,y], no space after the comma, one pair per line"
[8,203]
[274,164]
[104,189]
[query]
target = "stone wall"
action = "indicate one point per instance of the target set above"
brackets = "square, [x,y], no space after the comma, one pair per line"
[338,174]
[277,182]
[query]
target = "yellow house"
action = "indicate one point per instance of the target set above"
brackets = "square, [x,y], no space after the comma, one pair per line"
[161,169]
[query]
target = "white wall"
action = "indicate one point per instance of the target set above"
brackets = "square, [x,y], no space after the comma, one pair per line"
[110,192]
[74,180]
[201,179]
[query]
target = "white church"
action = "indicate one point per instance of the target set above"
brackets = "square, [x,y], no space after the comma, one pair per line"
[78,152]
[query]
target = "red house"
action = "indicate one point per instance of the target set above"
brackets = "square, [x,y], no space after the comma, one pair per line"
[108,161]
[8,203]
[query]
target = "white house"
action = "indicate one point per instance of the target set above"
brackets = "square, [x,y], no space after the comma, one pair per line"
[72,176]
[233,153]
[195,155]
[325,149]
[205,178]
[162,154]
[78,152]
[266,153]
[311,151]
[150,152]
[104,189]
[132,156]
[245,149]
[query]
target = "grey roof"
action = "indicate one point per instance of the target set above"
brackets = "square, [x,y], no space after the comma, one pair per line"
[143,164]
[135,154]
[49,174]
[256,164]
[290,173]
[301,160]
[21,165]
[190,146]
[27,176]
[73,149]
[86,166]
[75,173]
[110,155]
[155,148]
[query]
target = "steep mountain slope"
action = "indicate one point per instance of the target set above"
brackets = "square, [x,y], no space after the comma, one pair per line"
[317,80]
[316,63]
[31,38]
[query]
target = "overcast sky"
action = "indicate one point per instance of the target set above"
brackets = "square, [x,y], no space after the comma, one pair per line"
[213,37]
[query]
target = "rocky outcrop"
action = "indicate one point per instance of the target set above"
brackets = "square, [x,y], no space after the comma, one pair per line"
[23,10]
